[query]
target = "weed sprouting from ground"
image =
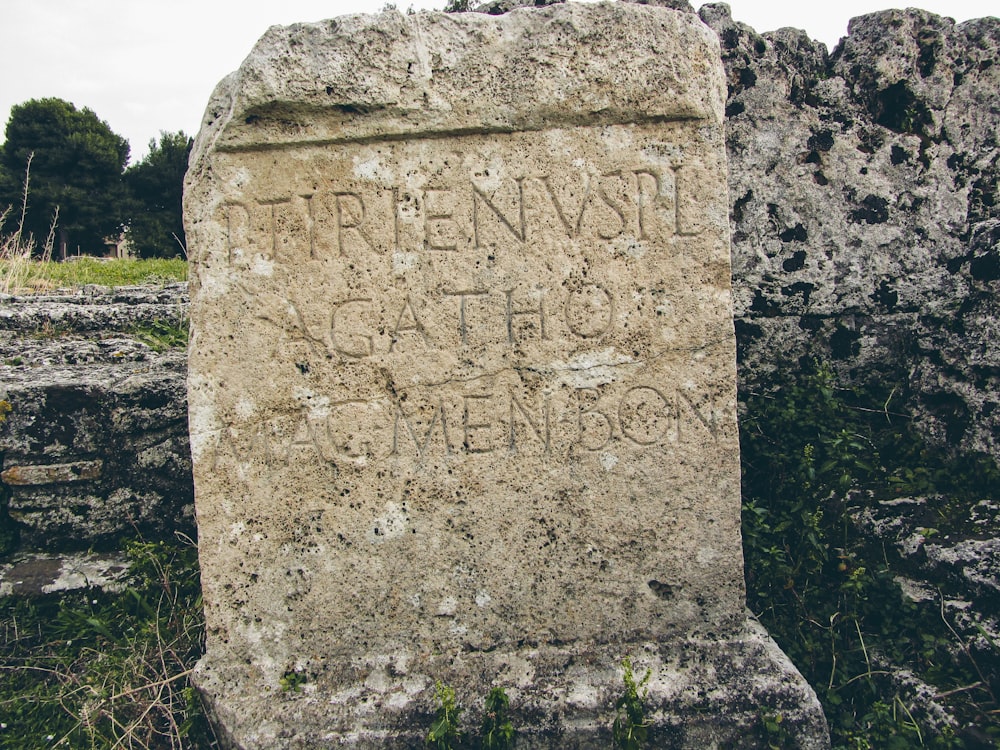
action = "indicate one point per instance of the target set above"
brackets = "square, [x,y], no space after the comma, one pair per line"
[497,731]
[445,733]
[101,670]
[160,335]
[16,248]
[631,729]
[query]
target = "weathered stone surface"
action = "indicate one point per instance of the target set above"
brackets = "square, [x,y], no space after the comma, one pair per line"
[33,575]
[462,382]
[865,212]
[94,447]
[863,186]
[92,309]
[949,555]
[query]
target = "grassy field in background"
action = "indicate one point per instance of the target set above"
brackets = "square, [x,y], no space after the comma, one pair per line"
[19,277]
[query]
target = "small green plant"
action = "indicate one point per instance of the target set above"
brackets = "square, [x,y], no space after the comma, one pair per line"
[776,734]
[497,729]
[160,335]
[292,681]
[827,595]
[444,733]
[631,728]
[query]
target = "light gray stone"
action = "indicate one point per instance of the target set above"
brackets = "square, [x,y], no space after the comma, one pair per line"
[462,382]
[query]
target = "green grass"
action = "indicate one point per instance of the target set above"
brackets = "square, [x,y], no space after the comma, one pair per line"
[47,275]
[100,670]
[161,335]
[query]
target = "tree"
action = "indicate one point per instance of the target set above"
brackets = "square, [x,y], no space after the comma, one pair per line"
[77,169]
[156,186]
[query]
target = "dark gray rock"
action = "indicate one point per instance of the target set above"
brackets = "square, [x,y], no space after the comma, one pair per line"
[38,574]
[94,446]
[865,213]
[948,555]
[92,309]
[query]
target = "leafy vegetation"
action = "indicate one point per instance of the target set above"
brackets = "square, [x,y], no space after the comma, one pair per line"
[630,729]
[830,600]
[98,670]
[160,335]
[76,173]
[497,731]
[82,196]
[156,187]
[445,733]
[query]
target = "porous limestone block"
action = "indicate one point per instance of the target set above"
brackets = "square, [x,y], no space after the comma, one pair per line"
[462,381]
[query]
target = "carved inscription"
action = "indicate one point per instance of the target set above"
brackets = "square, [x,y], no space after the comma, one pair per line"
[450,267]
[438,422]
[345,221]
[363,327]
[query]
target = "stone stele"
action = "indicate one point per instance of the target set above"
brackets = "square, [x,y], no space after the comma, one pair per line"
[462,384]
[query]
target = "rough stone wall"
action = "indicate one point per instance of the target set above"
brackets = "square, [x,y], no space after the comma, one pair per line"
[866,227]
[94,446]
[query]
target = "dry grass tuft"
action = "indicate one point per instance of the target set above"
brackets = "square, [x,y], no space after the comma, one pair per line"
[18,249]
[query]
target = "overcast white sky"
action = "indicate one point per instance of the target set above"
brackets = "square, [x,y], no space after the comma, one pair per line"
[145,66]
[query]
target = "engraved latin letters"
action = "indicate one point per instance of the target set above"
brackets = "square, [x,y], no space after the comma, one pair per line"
[352,346]
[681,218]
[518,413]
[350,209]
[445,420]
[462,322]
[523,318]
[590,310]
[529,313]
[643,415]
[595,427]
[422,446]
[520,232]
[352,219]
[645,200]
[570,223]
[471,442]
[237,218]
[441,231]
[408,322]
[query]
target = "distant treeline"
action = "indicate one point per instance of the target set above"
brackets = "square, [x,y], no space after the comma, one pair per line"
[65,183]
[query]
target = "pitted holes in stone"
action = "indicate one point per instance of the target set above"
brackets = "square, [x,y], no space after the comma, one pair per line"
[642,415]
[590,311]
